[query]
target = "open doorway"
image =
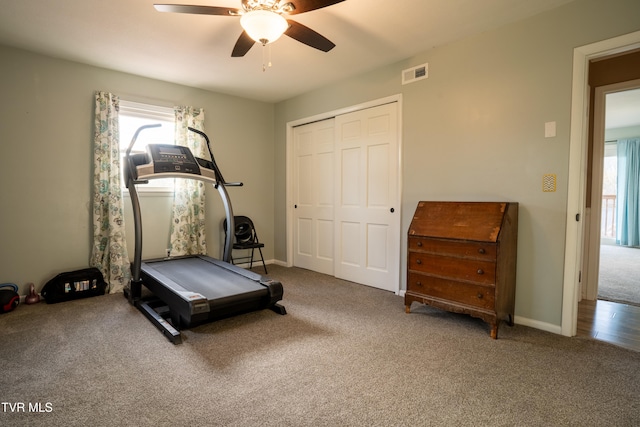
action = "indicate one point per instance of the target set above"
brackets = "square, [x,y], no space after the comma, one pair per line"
[606,62]
[618,278]
[610,262]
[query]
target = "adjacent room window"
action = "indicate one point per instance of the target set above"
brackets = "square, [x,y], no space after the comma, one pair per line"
[132,115]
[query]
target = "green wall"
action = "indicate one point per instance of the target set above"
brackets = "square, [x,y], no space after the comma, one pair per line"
[474,130]
[46,137]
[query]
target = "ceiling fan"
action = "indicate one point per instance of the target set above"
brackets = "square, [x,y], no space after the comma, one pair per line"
[264,21]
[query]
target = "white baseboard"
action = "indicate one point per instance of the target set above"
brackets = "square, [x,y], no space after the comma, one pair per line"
[24,297]
[258,263]
[536,324]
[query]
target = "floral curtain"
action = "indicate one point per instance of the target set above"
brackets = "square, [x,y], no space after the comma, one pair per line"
[109,252]
[187,222]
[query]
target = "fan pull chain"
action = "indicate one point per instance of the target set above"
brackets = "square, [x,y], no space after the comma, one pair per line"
[266,62]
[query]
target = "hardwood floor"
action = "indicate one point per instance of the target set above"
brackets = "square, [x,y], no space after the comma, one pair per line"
[615,323]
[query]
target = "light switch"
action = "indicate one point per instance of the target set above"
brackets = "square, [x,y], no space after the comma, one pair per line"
[550,129]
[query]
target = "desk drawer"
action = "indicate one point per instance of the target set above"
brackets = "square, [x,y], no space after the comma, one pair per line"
[454,268]
[449,290]
[457,248]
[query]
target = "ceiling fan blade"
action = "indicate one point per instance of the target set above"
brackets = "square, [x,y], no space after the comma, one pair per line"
[302,6]
[243,45]
[200,10]
[309,37]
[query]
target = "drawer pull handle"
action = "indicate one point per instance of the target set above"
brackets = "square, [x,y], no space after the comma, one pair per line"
[481,251]
[419,283]
[418,261]
[479,295]
[480,271]
[419,244]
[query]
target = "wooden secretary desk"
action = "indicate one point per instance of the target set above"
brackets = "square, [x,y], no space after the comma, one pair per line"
[462,258]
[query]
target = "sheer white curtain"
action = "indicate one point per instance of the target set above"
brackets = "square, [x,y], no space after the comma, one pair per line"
[109,253]
[188,216]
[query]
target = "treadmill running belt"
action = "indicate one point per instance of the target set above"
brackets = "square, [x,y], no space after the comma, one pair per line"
[209,280]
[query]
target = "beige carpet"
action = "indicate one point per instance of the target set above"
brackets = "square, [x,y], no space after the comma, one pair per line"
[619,278]
[344,355]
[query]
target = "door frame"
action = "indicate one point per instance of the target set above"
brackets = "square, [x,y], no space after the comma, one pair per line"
[593,222]
[574,238]
[323,116]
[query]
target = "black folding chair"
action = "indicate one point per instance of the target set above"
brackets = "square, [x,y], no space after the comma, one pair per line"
[245,238]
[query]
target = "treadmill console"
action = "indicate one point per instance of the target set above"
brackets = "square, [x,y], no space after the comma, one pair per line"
[172,158]
[166,160]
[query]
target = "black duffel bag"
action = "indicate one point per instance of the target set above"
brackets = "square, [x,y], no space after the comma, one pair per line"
[87,282]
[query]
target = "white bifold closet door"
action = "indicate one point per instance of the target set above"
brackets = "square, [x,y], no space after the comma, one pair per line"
[367,217]
[347,216]
[313,183]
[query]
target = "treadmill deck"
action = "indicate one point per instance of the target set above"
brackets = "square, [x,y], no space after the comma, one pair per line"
[209,279]
[197,289]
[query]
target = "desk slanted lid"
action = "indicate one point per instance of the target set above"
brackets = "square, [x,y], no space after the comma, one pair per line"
[477,221]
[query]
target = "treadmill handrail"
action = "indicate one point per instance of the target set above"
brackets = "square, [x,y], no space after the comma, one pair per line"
[161,175]
[216,169]
[135,136]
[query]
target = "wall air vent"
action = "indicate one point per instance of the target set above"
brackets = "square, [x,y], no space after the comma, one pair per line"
[414,74]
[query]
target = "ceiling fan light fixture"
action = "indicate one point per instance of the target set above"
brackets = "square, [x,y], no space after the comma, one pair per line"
[263,26]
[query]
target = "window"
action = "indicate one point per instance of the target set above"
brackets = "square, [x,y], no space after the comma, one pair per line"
[131,116]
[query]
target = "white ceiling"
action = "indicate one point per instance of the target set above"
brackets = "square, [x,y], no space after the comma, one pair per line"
[622,109]
[194,50]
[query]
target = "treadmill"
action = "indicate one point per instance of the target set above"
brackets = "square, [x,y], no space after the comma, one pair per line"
[193,289]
